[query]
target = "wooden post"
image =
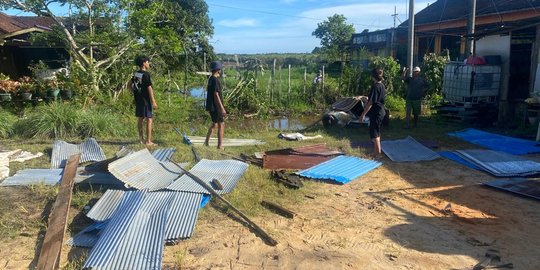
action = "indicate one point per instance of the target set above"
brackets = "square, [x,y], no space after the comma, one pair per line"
[305,80]
[49,257]
[289,83]
[280,92]
[323,79]
[256,76]
[273,79]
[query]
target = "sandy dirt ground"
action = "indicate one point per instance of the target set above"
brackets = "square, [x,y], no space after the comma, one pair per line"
[425,215]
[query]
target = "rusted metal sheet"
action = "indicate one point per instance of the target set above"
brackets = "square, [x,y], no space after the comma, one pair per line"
[298,158]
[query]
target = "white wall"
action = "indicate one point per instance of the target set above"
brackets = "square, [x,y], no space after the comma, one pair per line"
[497,45]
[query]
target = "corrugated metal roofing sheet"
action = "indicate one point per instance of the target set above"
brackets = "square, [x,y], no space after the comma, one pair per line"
[227,172]
[88,237]
[89,150]
[33,177]
[298,158]
[342,169]
[106,205]
[163,154]
[182,214]
[133,239]
[407,150]
[142,171]
[499,163]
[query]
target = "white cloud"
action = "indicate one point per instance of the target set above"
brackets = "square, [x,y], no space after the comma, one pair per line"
[243,22]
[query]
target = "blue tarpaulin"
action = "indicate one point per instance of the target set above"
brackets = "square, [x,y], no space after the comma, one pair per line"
[455,157]
[497,142]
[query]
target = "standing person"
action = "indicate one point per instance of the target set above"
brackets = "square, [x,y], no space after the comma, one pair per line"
[374,109]
[145,103]
[416,86]
[214,104]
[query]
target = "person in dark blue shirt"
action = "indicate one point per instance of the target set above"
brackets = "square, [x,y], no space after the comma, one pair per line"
[374,109]
[214,104]
[145,103]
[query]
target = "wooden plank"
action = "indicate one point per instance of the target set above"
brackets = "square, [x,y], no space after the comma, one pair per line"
[278,209]
[49,257]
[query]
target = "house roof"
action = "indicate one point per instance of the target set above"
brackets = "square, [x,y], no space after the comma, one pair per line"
[10,24]
[447,10]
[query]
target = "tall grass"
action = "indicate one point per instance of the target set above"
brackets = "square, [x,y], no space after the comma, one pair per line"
[66,120]
[6,124]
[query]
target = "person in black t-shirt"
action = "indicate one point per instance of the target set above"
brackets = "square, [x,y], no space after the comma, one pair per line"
[374,109]
[143,93]
[214,104]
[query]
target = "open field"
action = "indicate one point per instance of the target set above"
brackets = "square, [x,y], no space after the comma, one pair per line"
[425,215]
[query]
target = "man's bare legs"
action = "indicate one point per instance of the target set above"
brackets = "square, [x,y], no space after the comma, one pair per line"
[140,129]
[210,132]
[140,124]
[376,146]
[149,123]
[220,130]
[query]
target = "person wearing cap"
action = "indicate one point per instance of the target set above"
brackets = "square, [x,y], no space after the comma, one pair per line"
[416,87]
[214,104]
[143,93]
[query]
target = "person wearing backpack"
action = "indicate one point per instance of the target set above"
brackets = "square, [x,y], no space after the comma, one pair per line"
[145,103]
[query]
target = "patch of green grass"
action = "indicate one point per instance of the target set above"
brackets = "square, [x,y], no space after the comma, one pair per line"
[77,262]
[6,125]
[82,195]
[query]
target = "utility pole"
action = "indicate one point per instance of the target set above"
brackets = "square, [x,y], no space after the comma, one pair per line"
[393,34]
[471,21]
[410,48]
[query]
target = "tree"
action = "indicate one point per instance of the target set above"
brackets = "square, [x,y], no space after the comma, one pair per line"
[334,34]
[100,33]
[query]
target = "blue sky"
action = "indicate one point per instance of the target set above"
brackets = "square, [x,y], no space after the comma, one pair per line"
[282,26]
[267,26]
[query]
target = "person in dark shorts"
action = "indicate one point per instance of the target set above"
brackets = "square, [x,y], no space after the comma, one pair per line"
[416,87]
[375,110]
[145,103]
[214,104]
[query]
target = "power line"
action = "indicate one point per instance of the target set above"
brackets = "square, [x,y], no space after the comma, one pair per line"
[282,14]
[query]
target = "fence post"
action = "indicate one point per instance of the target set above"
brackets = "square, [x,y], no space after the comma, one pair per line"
[323,79]
[305,80]
[289,83]
[273,79]
[280,83]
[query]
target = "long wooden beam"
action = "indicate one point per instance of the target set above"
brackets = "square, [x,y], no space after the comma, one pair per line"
[49,257]
[480,20]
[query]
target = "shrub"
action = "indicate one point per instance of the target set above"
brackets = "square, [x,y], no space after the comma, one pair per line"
[395,103]
[433,68]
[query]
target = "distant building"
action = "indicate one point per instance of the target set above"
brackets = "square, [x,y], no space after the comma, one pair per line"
[17,53]
[370,43]
[509,30]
